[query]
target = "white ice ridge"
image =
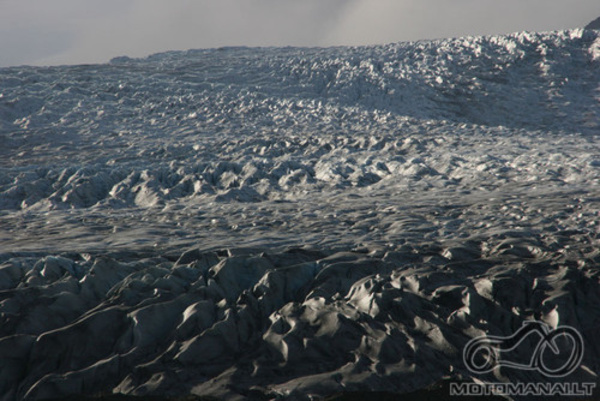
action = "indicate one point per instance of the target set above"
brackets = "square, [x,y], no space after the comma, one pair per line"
[296,222]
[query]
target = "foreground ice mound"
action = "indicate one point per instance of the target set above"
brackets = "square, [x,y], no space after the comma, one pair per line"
[278,325]
[295,223]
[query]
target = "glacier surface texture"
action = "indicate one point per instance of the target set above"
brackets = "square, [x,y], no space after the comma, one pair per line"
[294,223]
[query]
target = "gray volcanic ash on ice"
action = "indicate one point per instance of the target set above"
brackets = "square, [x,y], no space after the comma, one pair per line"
[295,223]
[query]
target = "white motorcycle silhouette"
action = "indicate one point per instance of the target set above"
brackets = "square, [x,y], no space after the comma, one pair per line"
[481,354]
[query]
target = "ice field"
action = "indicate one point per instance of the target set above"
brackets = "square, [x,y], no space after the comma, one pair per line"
[294,223]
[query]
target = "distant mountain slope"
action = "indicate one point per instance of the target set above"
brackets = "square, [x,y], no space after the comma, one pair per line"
[524,80]
[595,24]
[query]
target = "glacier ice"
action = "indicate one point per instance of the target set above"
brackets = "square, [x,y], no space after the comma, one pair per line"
[296,222]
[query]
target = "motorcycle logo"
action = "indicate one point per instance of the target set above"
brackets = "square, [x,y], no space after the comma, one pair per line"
[482,354]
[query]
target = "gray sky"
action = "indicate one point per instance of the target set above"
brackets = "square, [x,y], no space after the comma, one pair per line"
[42,32]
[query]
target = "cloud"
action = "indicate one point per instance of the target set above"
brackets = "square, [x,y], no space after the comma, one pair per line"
[35,30]
[21,47]
[149,26]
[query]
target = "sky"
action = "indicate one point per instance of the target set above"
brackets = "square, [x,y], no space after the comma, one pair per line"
[54,32]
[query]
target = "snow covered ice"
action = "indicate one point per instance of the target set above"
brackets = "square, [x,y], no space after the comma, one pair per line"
[294,222]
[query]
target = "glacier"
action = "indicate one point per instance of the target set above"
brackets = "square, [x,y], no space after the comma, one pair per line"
[296,223]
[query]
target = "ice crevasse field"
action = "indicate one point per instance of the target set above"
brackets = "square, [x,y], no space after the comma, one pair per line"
[294,223]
